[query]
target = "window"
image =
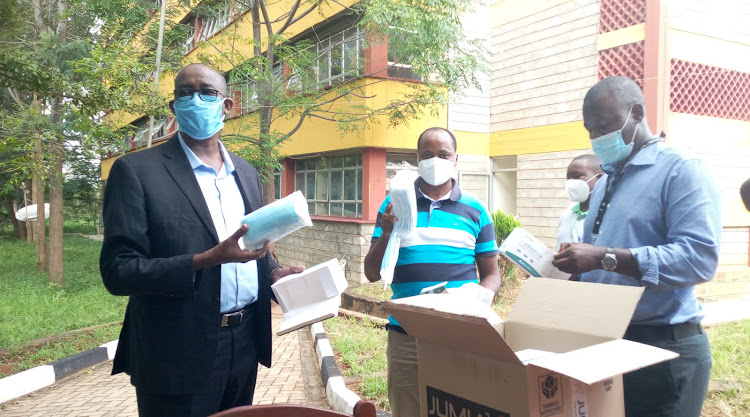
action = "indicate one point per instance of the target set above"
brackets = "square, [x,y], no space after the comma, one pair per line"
[398,162]
[277,183]
[218,21]
[245,93]
[331,185]
[396,65]
[341,56]
[189,42]
[158,130]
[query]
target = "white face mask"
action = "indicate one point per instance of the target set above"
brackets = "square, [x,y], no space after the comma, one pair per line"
[436,171]
[578,190]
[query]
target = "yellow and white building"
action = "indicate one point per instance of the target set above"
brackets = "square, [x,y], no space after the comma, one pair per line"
[518,133]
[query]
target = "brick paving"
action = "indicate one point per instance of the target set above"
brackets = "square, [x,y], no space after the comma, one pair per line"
[293,378]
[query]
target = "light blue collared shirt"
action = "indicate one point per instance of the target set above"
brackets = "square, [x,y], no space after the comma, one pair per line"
[666,209]
[239,281]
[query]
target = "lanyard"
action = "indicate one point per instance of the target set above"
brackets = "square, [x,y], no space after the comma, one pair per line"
[610,189]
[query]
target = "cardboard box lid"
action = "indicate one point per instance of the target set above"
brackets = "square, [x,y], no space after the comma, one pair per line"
[452,320]
[602,310]
[605,360]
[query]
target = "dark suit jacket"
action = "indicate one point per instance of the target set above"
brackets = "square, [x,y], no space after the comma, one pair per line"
[155,220]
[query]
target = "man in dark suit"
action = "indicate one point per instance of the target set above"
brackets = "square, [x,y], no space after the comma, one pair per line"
[198,321]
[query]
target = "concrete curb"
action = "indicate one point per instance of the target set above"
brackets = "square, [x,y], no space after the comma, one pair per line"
[340,398]
[42,376]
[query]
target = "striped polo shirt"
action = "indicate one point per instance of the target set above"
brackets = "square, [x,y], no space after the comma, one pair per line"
[450,234]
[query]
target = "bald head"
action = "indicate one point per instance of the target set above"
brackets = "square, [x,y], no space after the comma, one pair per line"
[590,161]
[623,90]
[206,76]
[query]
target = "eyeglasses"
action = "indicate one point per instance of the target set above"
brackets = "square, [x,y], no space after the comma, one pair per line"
[205,94]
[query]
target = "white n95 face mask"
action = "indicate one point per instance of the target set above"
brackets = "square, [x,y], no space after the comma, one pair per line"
[436,171]
[578,190]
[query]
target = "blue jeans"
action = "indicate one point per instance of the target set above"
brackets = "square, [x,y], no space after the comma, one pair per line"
[675,388]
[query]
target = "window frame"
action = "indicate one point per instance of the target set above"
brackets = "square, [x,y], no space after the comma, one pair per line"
[325,165]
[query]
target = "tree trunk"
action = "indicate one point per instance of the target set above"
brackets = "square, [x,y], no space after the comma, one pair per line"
[28,199]
[57,178]
[56,273]
[37,192]
[19,228]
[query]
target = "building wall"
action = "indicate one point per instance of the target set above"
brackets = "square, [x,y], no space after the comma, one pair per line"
[541,192]
[325,240]
[542,61]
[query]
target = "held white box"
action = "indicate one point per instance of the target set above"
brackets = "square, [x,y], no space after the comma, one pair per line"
[559,353]
[310,296]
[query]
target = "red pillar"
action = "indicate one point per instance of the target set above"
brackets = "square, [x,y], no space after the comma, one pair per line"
[287,177]
[373,182]
[657,65]
[376,58]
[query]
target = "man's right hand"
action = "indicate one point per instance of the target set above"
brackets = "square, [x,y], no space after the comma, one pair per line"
[387,220]
[228,251]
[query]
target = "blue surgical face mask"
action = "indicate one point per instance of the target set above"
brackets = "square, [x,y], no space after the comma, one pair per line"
[611,147]
[199,119]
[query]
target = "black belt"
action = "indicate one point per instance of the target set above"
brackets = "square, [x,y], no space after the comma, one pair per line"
[663,332]
[234,318]
[397,329]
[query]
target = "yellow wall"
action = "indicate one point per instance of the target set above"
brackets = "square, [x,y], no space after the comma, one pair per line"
[549,138]
[707,50]
[624,36]
[317,135]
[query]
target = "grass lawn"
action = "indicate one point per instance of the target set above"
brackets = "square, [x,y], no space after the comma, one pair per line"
[31,308]
[361,347]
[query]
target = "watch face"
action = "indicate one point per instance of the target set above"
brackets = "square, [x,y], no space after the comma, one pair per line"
[609,262]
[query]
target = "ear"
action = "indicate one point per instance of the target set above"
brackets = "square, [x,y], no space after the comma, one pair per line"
[638,113]
[455,163]
[228,105]
[171,107]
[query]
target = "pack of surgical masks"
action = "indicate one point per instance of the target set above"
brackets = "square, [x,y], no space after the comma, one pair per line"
[276,220]
[404,202]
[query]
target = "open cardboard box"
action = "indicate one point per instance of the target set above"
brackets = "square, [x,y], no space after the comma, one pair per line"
[310,296]
[559,353]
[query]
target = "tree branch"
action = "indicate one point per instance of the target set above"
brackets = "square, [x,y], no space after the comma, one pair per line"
[299,124]
[294,20]
[38,21]
[269,28]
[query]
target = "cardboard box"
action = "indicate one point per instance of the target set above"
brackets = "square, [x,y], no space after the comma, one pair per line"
[311,296]
[559,353]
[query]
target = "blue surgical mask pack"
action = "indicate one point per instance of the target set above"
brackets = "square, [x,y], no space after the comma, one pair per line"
[611,147]
[199,119]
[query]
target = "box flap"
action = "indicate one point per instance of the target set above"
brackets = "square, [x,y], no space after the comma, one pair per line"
[313,285]
[453,321]
[602,310]
[599,362]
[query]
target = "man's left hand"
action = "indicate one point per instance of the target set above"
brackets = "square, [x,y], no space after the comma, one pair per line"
[279,273]
[577,258]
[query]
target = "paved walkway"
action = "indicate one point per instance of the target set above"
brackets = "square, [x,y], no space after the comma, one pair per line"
[293,378]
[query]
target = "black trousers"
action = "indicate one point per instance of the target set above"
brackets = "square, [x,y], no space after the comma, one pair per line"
[230,384]
[675,388]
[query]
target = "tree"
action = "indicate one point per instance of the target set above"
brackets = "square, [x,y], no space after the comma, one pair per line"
[51,64]
[423,37]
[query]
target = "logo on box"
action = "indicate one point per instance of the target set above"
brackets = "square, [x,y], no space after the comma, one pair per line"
[443,404]
[550,395]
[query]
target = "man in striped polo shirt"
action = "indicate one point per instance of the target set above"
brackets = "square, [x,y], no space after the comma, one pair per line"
[454,238]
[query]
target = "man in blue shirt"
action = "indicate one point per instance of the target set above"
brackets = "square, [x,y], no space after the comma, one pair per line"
[454,237]
[657,225]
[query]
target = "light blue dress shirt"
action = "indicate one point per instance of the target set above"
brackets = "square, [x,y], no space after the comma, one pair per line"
[666,209]
[239,281]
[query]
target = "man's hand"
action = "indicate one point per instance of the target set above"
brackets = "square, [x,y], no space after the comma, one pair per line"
[387,220]
[279,273]
[228,251]
[577,258]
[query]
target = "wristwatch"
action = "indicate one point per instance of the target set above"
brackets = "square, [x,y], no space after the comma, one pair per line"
[609,261]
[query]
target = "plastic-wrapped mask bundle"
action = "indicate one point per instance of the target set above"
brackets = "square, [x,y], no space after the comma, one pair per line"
[276,220]
[404,201]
